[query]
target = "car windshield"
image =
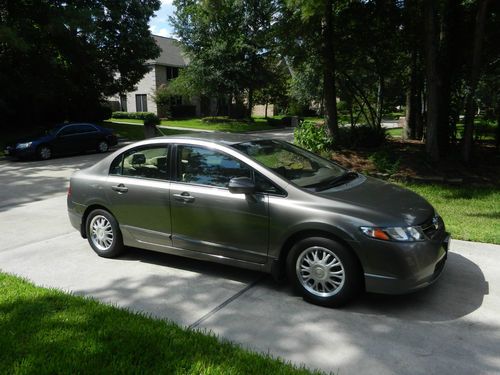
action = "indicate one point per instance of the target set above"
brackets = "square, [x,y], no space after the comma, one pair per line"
[293,163]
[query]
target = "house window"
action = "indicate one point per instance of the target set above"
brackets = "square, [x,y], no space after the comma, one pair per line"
[123,103]
[141,103]
[172,72]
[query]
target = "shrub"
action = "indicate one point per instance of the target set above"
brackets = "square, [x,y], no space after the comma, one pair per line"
[183,110]
[360,136]
[313,136]
[384,161]
[132,115]
[150,119]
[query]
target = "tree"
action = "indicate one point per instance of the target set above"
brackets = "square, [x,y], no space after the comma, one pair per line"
[473,79]
[228,43]
[315,28]
[60,59]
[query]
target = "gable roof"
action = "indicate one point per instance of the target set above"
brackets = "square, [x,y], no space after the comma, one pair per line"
[171,53]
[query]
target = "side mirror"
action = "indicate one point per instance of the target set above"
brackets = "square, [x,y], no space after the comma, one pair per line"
[241,185]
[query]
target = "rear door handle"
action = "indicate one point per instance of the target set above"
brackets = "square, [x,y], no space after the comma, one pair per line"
[184,197]
[120,188]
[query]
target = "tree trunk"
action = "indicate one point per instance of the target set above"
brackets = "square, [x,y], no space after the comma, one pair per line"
[380,101]
[329,88]
[250,102]
[497,134]
[267,103]
[433,81]
[409,126]
[420,109]
[473,80]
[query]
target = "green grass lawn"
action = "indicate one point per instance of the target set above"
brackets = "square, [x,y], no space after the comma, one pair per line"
[196,123]
[394,132]
[134,132]
[45,331]
[470,213]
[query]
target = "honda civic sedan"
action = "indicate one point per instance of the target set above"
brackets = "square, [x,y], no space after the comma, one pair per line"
[64,139]
[264,205]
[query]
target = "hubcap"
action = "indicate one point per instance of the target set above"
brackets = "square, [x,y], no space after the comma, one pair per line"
[320,271]
[45,153]
[101,232]
[103,146]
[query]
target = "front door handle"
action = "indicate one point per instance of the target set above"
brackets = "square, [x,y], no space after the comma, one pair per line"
[184,197]
[120,188]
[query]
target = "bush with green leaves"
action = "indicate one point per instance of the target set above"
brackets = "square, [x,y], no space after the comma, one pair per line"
[313,136]
[385,161]
[150,119]
[364,136]
[131,115]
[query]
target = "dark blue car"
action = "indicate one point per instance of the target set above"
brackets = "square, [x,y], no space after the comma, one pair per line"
[64,139]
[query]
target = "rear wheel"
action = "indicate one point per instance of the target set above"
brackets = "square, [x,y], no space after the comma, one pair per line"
[103,234]
[324,271]
[44,152]
[102,146]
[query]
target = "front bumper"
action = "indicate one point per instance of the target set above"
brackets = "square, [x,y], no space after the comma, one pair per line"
[13,152]
[416,266]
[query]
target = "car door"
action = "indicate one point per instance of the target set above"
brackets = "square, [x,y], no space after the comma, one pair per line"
[88,137]
[66,140]
[137,190]
[206,217]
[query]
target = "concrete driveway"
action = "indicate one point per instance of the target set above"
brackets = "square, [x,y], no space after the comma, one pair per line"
[450,328]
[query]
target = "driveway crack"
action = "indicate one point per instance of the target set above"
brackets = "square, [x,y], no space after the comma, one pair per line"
[226,302]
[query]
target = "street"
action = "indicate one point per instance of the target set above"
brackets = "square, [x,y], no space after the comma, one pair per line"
[452,327]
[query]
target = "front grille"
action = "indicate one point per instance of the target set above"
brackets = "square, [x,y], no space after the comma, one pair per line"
[431,226]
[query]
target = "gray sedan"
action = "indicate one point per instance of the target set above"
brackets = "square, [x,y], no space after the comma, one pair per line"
[264,205]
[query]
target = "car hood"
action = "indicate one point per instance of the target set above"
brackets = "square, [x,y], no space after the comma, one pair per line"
[40,138]
[378,200]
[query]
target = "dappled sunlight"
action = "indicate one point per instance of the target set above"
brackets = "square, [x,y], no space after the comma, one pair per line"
[28,181]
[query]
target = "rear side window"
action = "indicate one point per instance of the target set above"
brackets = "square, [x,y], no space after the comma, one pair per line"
[150,162]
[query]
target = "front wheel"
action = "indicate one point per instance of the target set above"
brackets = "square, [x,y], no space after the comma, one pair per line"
[324,271]
[103,234]
[44,152]
[102,146]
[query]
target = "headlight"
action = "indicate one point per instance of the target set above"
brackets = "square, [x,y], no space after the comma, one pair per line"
[405,234]
[24,145]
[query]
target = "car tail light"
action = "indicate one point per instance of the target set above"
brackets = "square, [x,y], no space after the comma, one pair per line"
[69,191]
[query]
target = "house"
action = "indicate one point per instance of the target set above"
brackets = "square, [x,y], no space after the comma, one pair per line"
[164,68]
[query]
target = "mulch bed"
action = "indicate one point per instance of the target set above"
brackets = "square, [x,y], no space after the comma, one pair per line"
[415,166]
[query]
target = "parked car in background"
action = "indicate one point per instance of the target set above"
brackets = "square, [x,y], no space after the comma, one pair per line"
[264,205]
[64,139]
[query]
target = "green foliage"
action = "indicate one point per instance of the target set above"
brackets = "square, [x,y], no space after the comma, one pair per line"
[61,59]
[228,43]
[385,162]
[46,331]
[131,115]
[313,136]
[360,136]
[150,119]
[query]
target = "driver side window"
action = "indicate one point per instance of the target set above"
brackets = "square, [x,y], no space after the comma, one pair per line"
[204,166]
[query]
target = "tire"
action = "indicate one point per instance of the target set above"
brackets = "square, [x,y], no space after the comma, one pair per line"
[324,271]
[103,234]
[44,152]
[102,146]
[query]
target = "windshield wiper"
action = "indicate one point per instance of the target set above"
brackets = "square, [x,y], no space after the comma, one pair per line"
[325,184]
